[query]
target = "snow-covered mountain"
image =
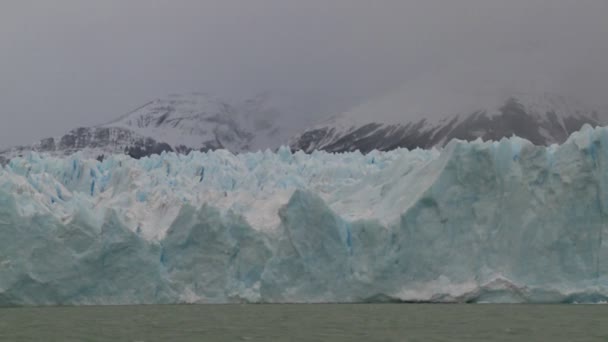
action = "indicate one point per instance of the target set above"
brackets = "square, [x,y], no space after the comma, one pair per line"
[417,119]
[179,123]
[200,121]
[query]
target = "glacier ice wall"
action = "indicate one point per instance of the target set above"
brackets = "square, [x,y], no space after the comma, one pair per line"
[499,221]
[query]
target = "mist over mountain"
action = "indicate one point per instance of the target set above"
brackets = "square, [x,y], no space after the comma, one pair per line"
[70,63]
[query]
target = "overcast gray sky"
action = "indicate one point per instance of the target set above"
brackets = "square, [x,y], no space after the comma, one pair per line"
[66,63]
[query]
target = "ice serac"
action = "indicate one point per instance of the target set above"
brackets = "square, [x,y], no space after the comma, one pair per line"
[502,221]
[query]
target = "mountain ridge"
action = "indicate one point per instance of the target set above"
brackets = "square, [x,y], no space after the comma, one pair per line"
[542,119]
[198,121]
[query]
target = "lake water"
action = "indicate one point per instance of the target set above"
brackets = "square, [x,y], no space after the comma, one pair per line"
[359,322]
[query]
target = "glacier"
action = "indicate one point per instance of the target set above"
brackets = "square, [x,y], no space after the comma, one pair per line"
[498,221]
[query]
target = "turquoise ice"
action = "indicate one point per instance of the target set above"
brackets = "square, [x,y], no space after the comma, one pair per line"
[502,221]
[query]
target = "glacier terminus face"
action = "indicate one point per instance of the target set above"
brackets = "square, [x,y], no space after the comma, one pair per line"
[503,221]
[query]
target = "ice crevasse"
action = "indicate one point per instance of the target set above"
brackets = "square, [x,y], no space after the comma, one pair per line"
[502,221]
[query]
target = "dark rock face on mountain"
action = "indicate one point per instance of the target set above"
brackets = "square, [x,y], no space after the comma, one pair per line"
[540,123]
[95,142]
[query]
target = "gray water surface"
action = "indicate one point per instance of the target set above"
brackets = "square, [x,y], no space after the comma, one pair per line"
[359,322]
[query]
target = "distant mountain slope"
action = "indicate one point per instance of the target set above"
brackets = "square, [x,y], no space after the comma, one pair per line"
[200,121]
[179,123]
[393,122]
